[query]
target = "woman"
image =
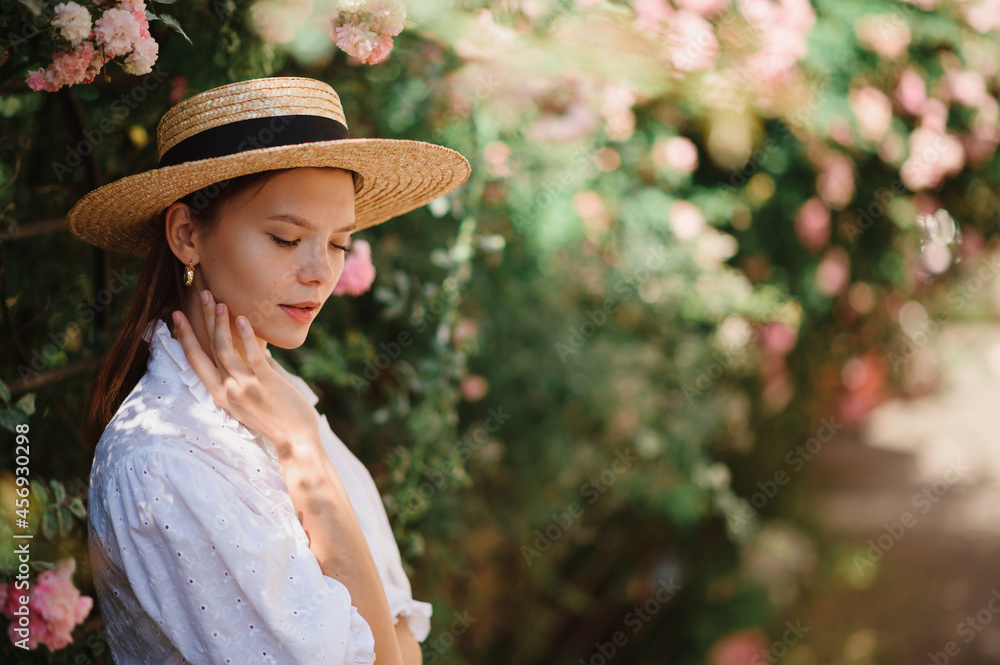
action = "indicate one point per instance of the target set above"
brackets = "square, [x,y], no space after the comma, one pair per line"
[227,523]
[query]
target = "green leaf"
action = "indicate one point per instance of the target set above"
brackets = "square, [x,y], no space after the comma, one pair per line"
[4,392]
[41,493]
[11,418]
[27,404]
[66,522]
[87,93]
[49,524]
[7,558]
[58,490]
[77,508]
[172,22]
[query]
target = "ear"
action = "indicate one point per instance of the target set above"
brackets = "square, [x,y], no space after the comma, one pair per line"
[181,233]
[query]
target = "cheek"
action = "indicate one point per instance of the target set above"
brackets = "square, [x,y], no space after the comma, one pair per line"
[247,275]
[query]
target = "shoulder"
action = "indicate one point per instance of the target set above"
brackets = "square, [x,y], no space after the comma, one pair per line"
[160,424]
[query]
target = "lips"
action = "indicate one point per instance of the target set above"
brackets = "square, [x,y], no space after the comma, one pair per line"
[302,312]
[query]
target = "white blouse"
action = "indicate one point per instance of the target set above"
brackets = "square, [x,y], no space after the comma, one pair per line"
[196,551]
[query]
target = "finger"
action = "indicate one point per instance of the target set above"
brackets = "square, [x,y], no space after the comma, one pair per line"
[224,348]
[208,309]
[196,356]
[255,359]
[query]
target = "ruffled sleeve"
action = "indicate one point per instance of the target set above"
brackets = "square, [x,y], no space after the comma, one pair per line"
[227,577]
[416,613]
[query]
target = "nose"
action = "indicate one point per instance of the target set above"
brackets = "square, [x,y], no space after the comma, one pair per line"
[320,265]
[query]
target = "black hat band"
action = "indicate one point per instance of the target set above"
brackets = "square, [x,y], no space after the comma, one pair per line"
[254,134]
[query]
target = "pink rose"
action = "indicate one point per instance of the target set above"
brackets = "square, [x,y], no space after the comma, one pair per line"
[70,67]
[744,647]
[983,15]
[73,22]
[137,8]
[677,153]
[55,608]
[692,44]
[911,93]
[386,16]
[359,273]
[364,30]
[782,29]
[686,220]
[355,40]
[886,35]
[277,21]
[812,224]
[707,8]
[777,339]
[966,87]
[381,50]
[653,15]
[474,388]
[118,30]
[143,56]
[933,155]
[834,271]
[873,111]
[836,180]
[67,68]
[38,81]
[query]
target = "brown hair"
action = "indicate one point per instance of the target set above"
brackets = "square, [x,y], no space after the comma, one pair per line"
[159,292]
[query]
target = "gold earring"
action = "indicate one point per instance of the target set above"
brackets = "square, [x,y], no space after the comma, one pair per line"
[189,274]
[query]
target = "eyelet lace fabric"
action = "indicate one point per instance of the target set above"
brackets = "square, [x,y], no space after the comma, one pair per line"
[196,550]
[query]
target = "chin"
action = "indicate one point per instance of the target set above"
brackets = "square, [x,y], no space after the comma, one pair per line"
[286,340]
[282,332]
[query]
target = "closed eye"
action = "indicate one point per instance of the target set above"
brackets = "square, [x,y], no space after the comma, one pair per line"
[293,243]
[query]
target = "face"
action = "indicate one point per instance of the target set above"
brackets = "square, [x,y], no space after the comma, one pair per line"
[279,248]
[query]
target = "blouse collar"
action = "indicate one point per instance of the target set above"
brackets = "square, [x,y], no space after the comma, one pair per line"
[167,357]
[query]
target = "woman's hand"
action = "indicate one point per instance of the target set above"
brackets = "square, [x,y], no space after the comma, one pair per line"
[252,391]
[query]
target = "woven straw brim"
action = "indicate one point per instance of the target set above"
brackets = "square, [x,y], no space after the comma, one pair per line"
[398,176]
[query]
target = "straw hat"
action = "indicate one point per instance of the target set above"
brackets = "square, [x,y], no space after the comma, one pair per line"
[260,125]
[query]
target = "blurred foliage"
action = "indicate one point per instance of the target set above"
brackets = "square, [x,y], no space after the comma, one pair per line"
[684,247]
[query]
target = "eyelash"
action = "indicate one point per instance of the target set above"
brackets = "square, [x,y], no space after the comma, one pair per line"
[289,243]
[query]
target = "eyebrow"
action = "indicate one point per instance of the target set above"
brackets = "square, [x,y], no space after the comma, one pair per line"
[305,223]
